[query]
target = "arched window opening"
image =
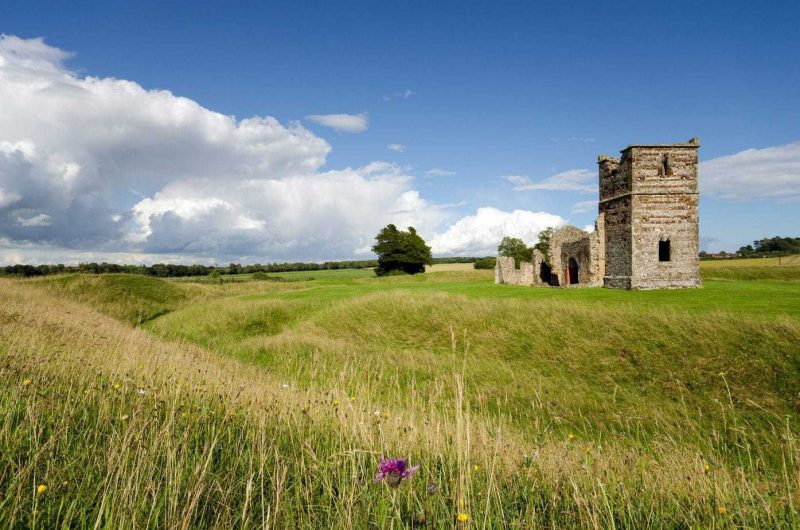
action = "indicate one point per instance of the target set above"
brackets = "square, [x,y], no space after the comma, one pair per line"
[664,250]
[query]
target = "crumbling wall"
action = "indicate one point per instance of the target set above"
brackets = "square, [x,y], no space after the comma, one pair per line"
[529,273]
[597,249]
[506,272]
[565,234]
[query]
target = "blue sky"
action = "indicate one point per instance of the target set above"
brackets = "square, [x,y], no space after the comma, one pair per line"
[475,91]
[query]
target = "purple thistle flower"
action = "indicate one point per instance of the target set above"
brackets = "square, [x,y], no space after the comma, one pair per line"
[394,471]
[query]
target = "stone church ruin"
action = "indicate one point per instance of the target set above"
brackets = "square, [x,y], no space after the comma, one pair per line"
[646,232]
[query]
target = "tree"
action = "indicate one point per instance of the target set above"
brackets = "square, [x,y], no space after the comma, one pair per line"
[400,251]
[543,245]
[485,263]
[514,247]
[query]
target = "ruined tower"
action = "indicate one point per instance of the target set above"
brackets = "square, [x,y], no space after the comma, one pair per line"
[649,199]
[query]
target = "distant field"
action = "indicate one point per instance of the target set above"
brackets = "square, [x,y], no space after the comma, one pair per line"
[445,267]
[751,262]
[269,403]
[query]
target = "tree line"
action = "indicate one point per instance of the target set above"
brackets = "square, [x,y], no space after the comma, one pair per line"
[170,270]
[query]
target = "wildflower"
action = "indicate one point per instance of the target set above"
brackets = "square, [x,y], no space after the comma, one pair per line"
[432,488]
[116,386]
[352,398]
[284,385]
[394,471]
[462,517]
[26,382]
[385,414]
[335,402]
[707,468]
[571,436]
[41,488]
[141,391]
[721,510]
[475,468]
[124,417]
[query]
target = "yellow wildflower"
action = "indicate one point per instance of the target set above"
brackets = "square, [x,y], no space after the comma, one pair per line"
[707,468]
[116,386]
[475,468]
[571,436]
[462,518]
[26,382]
[335,402]
[722,510]
[41,488]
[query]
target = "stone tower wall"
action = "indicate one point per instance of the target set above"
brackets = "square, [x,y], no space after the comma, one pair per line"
[649,195]
[665,208]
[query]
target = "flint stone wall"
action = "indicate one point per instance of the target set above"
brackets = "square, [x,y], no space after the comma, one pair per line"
[647,196]
[529,273]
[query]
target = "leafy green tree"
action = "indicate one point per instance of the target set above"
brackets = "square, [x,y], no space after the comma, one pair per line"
[485,263]
[514,247]
[543,245]
[400,251]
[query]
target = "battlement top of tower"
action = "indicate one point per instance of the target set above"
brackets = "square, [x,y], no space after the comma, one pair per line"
[693,143]
[606,158]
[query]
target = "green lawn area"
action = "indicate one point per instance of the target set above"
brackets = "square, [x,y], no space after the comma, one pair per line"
[757,298]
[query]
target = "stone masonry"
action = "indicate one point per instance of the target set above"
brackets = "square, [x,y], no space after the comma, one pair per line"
[646,233]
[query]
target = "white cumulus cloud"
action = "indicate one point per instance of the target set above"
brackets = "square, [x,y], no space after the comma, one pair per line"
[102,168]
[352,123]
[479,234]
[398,148]
[768,173]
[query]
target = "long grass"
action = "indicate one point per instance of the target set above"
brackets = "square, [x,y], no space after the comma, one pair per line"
[249,405]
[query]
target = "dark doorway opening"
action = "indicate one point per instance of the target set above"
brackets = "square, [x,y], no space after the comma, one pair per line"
[544,273]
[573,271]
[663,250]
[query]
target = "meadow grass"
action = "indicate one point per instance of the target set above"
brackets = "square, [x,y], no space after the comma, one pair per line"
[751,262]
[267,404]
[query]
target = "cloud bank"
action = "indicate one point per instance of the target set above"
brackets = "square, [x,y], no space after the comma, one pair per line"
[94,168]
[479,234]
[769,173]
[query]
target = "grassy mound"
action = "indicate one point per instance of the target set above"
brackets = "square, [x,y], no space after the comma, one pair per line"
[130,298]
[524,407]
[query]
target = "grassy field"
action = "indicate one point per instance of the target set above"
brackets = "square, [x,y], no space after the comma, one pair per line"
[138,402]
[751,262]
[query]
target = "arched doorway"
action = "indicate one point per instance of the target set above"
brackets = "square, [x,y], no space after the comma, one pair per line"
[573,271]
